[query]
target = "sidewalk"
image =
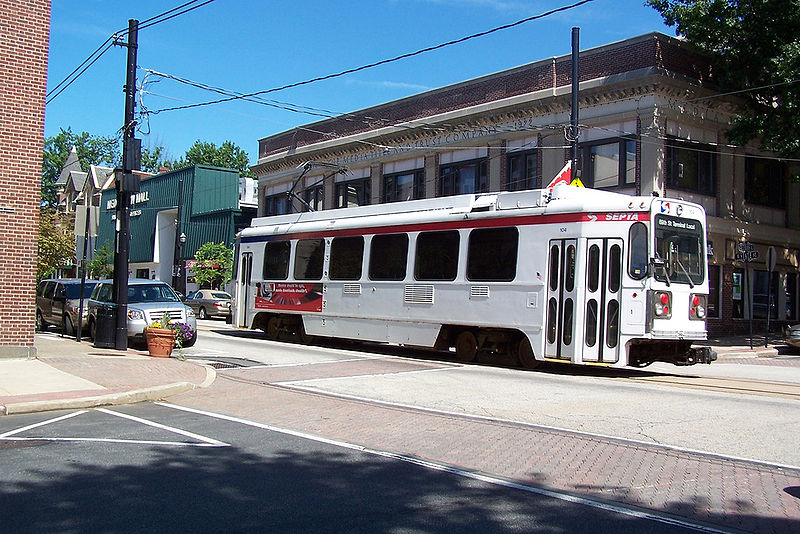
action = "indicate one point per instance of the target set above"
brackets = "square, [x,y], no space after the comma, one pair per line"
[67,374]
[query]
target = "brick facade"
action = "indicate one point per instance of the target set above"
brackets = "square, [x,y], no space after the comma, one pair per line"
[24,40]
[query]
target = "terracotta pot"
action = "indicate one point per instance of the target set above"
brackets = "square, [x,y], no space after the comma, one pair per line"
[160,342]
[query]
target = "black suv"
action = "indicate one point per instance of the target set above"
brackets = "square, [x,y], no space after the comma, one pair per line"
[58,303]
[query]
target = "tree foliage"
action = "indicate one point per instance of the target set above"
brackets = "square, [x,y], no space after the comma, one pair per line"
[213,265]
[56,242]
[755,47]
[227,155]
[92,150]
[102,264]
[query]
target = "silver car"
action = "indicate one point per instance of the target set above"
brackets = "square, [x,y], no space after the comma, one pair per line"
[148,301]
[793,337]
[209,303]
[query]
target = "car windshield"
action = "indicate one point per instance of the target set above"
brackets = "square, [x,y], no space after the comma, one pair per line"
[679,242]
[151,293]
[73,290]
[220,295]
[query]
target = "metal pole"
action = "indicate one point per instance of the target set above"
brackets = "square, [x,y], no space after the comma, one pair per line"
[122,251]
[177,265]
[79,330]
[575,86]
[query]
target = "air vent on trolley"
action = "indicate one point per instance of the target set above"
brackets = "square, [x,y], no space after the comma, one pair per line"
[351,289]
[479,292]
[418,294]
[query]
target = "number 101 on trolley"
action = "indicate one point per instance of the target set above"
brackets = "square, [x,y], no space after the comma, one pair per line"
[564,274]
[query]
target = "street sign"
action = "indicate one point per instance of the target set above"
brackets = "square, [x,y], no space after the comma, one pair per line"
[772,258]
[747,256]
[745,246]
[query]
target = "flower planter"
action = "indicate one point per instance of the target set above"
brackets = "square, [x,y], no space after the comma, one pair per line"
[160,342]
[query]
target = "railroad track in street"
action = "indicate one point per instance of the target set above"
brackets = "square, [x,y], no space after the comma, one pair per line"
[785,390]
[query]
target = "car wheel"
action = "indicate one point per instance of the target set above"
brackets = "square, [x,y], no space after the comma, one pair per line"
[91,329]
[201,313]
[69,328]
[40,324]
[190,342]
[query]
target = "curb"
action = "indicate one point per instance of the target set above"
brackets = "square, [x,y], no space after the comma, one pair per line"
[126,397]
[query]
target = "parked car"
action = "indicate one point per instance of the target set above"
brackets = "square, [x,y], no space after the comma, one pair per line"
[209,303]
[793,336]
[58,303]
[148,301]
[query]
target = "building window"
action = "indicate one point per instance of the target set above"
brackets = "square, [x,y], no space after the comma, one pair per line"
[691,166]
[276,205]
[713,291]
[737,293]
[463,177]
[522,170]
[353,193]
[404,186]
[765,182]
[608,163]
[313,197]
[791,296]
[765,296]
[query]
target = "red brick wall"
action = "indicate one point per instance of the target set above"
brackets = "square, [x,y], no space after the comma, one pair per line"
[24,40]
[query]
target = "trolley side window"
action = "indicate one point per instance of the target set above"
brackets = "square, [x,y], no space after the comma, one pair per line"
[308,257]
[492,254]
[388,257]
[276,260]
[347,256]
[437,256]
[637,251]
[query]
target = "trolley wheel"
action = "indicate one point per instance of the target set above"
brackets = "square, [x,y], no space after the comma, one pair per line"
[525,354]
[273,327]
[466,346]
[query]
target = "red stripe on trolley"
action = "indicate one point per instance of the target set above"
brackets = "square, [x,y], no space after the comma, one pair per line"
[466,223]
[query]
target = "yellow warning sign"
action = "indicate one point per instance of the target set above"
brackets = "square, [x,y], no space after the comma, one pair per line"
[576,182]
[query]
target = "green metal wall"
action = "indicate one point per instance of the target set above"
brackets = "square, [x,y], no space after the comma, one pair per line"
[210,205]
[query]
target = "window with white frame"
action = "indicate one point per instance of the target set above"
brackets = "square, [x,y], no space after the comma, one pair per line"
[608,163]
[691,166]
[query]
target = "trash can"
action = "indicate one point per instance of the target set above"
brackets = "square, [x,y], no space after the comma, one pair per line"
[105,327]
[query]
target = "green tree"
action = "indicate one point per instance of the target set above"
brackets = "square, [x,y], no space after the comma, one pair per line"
[92,150]
[154,158]
[56,241]
[102,264]
[213,265]
[755,48]
[227,155]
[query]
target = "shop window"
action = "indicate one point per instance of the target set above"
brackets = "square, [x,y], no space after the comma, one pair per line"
[791,297]
[388,257]
[347,255]
[608,163]
[492,254]
[353,193]
[522,170]
[276,205]
[691,166]
[404,186]
[737,293]
[308,257]
[276,260]
[437,256]
[463,177]
[765,182]
[713,308]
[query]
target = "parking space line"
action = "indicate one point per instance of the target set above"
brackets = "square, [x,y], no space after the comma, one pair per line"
[209,441]
[54,420]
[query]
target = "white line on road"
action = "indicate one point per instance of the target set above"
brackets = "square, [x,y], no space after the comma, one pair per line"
[564,496]
[54,420]
[186,433]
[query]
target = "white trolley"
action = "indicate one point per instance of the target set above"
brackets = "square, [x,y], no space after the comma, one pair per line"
[569,274]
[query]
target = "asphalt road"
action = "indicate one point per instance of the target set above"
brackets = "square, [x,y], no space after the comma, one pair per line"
[155,468]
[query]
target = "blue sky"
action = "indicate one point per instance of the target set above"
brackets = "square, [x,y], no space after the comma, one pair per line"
[252,45]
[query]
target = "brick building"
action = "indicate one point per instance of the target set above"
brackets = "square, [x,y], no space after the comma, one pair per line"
[651,121]
[24,40]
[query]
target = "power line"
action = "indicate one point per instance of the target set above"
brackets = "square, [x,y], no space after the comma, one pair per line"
[115,38]
[378,63]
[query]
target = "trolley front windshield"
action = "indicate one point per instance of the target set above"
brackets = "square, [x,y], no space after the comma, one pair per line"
[679,244]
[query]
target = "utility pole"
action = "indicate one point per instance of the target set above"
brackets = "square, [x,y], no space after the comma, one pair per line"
[177,261]
[126,183]
[574,134]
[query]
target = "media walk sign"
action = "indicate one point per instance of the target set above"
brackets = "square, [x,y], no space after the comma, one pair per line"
[747,252]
